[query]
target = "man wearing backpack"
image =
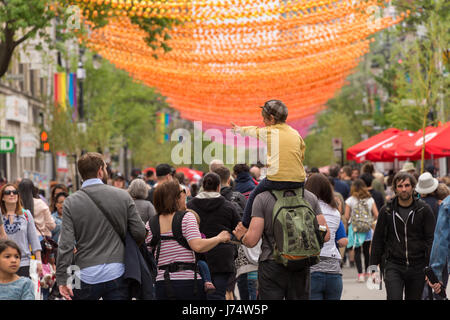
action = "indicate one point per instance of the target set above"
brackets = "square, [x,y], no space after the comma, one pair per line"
[402,240]
[276,280]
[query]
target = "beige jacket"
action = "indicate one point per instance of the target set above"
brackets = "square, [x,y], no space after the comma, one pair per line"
[43,218]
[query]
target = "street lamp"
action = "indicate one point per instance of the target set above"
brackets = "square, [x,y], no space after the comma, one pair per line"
[81,75]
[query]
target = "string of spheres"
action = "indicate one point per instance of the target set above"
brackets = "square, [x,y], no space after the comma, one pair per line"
[228,57]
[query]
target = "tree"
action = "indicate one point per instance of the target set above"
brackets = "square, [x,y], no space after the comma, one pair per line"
[21,20]
[410,63]
[122,112]
[342,119]
[422,84]
[416,74]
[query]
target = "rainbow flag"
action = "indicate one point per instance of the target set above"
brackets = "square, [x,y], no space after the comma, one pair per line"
[166,126]
[65,91]
[72,77]
[60,90]
[162,123]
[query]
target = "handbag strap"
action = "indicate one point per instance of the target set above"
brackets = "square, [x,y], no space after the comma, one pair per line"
[106,214]
[35,225]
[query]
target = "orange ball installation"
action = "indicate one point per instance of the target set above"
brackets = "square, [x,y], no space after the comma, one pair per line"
[230,56]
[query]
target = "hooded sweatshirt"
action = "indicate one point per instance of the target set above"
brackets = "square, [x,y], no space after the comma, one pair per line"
[216,214]
[404,241]
[244,183]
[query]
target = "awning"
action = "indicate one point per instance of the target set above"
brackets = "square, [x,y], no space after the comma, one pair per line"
[361,151]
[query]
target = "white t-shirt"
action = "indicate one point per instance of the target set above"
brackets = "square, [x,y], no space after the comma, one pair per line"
[333,218]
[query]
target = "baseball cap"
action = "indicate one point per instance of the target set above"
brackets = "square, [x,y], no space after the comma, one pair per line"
[163,169]
[276,108]
[119,176]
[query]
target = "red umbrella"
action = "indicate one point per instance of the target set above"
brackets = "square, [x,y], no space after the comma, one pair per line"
[189,173]
[361,151]
[148,169]
[437,143]
[389,151]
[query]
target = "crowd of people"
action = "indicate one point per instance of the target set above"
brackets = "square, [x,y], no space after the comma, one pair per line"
[162,236]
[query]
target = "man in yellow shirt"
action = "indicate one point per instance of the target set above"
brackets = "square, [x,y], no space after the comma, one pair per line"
[285,153]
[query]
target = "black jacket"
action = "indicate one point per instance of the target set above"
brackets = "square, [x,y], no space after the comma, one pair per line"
[378,197]
[405,244]
[138,270]
[236,198]
[216,215]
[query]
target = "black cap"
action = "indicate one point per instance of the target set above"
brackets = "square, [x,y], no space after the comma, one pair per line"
[163,169]
[119,176]
[276,108]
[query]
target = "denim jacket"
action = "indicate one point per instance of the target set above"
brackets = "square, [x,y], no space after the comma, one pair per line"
[441,249]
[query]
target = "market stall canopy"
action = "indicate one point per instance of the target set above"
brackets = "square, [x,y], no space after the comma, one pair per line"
[437,143]
[189,173]
[393,144]
[362,150]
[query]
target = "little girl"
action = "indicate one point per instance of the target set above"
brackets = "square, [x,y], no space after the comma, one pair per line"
[13,287]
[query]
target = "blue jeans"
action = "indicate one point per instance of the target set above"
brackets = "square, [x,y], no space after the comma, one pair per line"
[204,271]
[326,286]
[242,284]
[116,289]
[266,185]
[183,290]
[252,289]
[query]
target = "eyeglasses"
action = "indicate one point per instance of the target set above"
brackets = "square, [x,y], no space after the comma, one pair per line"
[8,192]
[182,191]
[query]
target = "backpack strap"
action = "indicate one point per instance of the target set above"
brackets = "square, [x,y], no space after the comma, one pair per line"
[156,231]
[177,229]
[279,194]
[178,236]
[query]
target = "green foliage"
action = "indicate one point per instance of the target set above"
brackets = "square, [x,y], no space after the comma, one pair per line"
[64,133]
[412,76]
[343,119]
[21,20]
[421,80]
[121,111]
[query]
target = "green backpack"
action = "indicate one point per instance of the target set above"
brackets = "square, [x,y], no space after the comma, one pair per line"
[296,231]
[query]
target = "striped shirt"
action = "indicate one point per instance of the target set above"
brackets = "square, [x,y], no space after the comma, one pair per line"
[172,251]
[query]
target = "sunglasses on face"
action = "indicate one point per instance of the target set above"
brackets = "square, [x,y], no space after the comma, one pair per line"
[182,191]
[8,192]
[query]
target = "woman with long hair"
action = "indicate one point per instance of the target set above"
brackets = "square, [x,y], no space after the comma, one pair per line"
[360,210]
[326,276]
[176,263]
[19,227]
[38,208]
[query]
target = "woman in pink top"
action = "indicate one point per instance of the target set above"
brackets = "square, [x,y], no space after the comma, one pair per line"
[170,197]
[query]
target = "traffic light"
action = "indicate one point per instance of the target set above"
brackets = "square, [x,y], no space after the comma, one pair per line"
[45,145]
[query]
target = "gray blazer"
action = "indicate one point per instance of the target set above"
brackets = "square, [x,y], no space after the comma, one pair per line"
[85,227]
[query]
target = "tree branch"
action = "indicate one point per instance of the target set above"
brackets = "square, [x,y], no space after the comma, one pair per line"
[25,37]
